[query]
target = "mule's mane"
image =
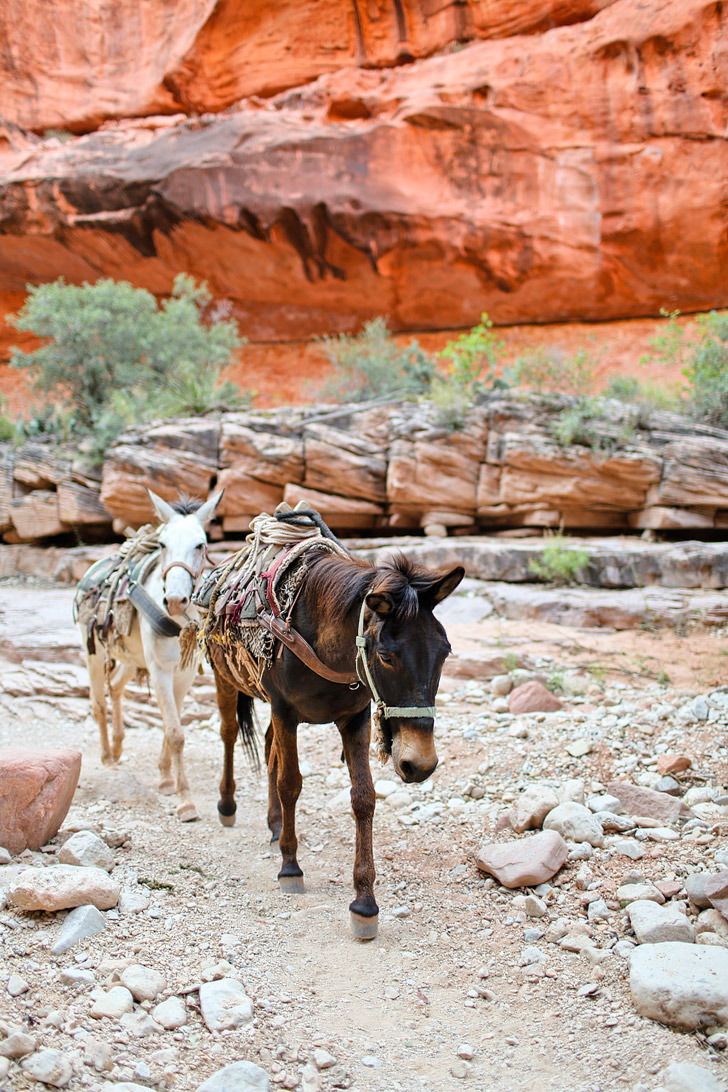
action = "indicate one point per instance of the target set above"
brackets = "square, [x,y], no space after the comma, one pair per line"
[338,583]
[185,506]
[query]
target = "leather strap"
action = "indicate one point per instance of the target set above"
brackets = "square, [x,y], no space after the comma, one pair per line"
[161,623]
[302,649]
[365,676]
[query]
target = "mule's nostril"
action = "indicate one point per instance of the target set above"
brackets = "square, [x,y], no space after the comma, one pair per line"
[406,770]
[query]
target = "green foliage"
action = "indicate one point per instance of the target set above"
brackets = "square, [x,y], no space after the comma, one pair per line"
[669,344]
[707,370]
[372,365]
[588,422]
[645,394]
[554,370]
[112,356]
[473,357]
[560,563]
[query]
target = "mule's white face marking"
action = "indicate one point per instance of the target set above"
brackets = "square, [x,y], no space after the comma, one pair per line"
[182,539]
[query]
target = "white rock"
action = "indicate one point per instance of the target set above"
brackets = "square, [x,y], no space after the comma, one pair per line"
[144,983]
[632,892]
[80,924]
[133,900]
[721,857]
[383,789]
[655,924]
[465,1051]
[662,834]
[398,800]
[575,823]
[322,1059]
[86,848]
[598,910]
[572,791]
[627,847]
[78,977]
[4,1068]
[685,1077]
[59,887]
[171,1013]
[225,1004]
[605,802]
[113,1004]
[684,985]
[17,985]
[531,808]
[500,685]
[17,1045]
[48,1066]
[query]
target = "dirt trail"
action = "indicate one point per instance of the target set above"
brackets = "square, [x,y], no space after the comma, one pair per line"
[446,969]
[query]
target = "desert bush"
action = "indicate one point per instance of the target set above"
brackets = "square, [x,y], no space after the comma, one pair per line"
[560,562]
[372,365]
[701,350]
[556,371]
[112,356]
[471,371]
[589,422]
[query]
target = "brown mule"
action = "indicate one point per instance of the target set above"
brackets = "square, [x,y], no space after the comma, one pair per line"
[345,604]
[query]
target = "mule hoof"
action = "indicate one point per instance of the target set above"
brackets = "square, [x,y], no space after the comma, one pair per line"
[166,788]
[364,928]
[227,820]
[292,885]
[187,813]
[107,760]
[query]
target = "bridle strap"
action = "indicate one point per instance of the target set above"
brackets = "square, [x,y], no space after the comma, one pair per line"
[365,677]
[183,565]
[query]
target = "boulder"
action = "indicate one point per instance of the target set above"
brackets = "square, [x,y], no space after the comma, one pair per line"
[716,890]
[575,823]
[684,985]
[532,697]
[86,848]
[59,887]
[654,924]
[526,862]
[36,790]
[225,1004]
[237,1077]
[686,1077]
[637,800]
[531,808]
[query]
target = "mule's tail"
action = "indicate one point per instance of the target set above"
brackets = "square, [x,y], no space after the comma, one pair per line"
[246,723]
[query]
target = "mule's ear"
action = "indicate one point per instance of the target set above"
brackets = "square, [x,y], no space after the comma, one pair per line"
[164,511]
[442,587]
[380,602]
[206,511]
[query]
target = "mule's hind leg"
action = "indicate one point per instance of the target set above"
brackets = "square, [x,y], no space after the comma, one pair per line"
[119,679]
[227,703]
[355,736]
[169,692]
[274,802]
[97,693]
[288,785]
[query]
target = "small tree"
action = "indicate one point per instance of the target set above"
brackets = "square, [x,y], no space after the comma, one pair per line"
[372,365]
[109,338]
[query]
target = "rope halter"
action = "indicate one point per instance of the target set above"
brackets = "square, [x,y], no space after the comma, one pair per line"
[365,676]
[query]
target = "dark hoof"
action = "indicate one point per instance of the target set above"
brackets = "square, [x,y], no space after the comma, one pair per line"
[292,885]
[226,812]
[364,928]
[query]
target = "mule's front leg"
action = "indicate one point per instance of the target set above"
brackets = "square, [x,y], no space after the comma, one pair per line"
[274,803]
[227,703]
[169,693]
[119,679]
[288,784]
[355,736]
[97,693]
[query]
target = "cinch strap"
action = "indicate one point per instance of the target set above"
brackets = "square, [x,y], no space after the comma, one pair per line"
[365,676]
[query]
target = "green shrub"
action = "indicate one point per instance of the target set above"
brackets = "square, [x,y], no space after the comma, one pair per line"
[554,370]
[645,394]
[472,368]
[372,365]
[560,563]
[112,356]
[707,370]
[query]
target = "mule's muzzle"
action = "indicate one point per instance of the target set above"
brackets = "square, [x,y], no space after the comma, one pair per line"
[413,753]
[176,605]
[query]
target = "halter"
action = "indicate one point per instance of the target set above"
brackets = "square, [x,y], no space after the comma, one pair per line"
[183,565]
[365,676]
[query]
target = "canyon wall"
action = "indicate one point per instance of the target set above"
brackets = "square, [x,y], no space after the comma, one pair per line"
[322,163]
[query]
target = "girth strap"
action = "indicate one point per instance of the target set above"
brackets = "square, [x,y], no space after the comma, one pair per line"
[365,676]
[159,620]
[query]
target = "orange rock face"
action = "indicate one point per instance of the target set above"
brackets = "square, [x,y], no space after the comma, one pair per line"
[574,169]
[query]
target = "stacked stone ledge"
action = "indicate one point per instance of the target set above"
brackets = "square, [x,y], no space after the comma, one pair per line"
[390,469]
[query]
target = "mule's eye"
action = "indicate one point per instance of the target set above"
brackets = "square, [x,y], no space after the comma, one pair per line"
[386,658]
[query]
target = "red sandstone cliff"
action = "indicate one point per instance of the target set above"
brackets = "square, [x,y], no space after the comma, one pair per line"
[572,165]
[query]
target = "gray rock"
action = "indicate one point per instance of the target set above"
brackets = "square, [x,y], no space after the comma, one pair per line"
[171,1013]
[86,848]
[605,802]
[575,823]
[16,986]
[627,847]
[500,685]
[624,949]
[532,955]
[572,791]
[685,1077]
[78,977]
[721,857]
[144,983]
[48,1066]
[669,785]
[695,887]
[655,924]
[225,1004]
[613,823]
[684,985]
[5,857]
[700,708]
[80,924]
[598,910]
[133,900]
[238,1077]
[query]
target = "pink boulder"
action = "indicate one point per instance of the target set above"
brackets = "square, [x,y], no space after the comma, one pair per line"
[36,790]
[533,697]
[526,862]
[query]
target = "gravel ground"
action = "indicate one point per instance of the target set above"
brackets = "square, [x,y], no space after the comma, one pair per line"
[444,997]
